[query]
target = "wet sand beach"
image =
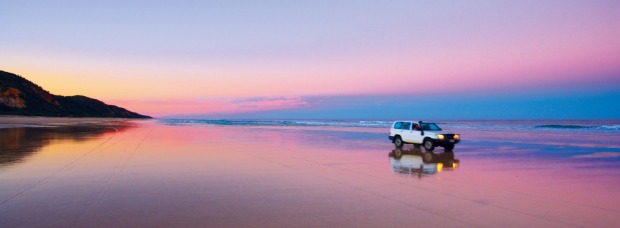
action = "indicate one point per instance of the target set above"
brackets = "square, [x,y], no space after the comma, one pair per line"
[149,174]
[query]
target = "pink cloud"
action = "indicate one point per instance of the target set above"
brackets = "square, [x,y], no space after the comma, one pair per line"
[165,107]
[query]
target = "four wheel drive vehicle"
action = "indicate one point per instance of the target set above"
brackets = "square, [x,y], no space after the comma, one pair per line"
[422,133]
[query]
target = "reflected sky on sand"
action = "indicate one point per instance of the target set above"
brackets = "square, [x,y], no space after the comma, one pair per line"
[237,176]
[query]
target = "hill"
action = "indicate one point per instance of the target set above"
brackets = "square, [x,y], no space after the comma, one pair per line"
[19,96]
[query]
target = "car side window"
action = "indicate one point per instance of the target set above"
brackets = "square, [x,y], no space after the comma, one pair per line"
[406,126]
[398,125]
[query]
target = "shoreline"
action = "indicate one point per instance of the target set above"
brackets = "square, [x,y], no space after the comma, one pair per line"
[46,121]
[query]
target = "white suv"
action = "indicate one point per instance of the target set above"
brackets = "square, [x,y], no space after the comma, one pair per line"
[422,133]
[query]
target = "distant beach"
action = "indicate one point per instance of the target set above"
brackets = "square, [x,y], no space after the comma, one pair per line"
[37,121]
[305,173]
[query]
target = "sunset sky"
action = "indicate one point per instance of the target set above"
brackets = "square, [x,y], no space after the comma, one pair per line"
[323,59]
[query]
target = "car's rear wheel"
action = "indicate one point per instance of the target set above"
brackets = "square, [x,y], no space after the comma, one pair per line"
[448,147]
[398,142]
[429,144]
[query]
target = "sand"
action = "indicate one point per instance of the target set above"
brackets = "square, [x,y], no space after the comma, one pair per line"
[143,173]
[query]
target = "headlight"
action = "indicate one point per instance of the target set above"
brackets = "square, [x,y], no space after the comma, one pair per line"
[440,137]
[456,137]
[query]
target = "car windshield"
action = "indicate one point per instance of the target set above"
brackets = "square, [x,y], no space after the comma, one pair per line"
[430,127]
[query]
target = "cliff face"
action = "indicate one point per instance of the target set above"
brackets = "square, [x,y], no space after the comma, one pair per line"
[18,96]
[11,98]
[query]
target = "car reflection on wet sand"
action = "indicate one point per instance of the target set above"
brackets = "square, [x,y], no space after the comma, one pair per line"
[418,162]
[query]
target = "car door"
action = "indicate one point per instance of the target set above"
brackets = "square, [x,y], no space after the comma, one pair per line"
[396,129]
[407,133]
[416,135]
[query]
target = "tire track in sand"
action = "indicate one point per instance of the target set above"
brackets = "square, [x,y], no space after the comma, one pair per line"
[64,168]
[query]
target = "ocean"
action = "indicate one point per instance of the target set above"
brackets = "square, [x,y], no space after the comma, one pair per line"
[603,126]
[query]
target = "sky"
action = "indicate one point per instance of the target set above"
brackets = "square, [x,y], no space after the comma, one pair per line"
[323,59]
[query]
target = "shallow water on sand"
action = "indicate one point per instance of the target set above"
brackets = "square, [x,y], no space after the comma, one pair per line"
[151,174]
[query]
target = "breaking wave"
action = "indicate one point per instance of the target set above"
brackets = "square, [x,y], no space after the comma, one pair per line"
[579,127]
[336,123]
[611,127]
[558,126]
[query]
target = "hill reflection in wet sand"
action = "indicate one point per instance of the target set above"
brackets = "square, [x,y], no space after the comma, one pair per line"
[19,143]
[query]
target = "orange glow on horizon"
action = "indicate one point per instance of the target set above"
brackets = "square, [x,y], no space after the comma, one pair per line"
[211,106]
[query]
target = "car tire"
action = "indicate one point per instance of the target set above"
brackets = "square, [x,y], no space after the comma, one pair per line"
[448,147]
[429,144]
[398,142]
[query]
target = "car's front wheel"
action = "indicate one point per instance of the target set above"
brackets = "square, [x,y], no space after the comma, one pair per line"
[398,142]
[429,144]
[448,147]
